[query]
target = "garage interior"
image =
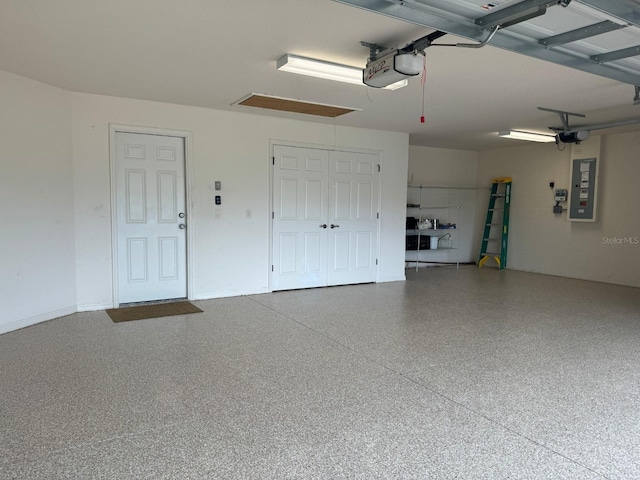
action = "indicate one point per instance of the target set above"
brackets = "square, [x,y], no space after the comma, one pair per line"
[452,371]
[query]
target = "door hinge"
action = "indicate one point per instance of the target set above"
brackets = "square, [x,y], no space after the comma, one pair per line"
[273,215]
[272,268]
[273,160]
[378,168]
[376,261]
[378,215]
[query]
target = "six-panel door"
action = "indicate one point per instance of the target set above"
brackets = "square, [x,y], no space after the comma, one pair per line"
[325,225]
[150,217]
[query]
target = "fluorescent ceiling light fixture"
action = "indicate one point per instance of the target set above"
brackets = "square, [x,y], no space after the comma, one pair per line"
[530,136]
[327,70]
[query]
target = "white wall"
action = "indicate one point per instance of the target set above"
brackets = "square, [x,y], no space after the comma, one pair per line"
[540,241]
[55,239]
[441,166]
[446,168]
[231,254]
[37,261]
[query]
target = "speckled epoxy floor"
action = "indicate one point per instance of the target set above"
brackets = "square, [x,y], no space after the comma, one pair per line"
[454,374]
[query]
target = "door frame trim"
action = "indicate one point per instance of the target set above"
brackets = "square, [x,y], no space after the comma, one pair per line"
[331,148]
[187,138]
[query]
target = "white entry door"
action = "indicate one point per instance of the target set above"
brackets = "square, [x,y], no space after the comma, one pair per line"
[150,217]
[325,218]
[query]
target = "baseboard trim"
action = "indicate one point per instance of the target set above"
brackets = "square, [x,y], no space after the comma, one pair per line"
[392,278]
[209,296]
[27,322]
[92,307]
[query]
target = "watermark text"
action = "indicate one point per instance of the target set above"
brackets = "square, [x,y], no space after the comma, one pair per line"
[621,240]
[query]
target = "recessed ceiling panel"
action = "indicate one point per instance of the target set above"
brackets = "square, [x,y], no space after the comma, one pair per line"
[294,106]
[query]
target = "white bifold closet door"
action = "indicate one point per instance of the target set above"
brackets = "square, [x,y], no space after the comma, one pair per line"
[325,217]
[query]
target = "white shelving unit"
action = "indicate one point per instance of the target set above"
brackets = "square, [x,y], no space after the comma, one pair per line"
[451,206]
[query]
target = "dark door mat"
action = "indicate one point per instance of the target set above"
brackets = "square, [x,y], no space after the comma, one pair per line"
[126,314]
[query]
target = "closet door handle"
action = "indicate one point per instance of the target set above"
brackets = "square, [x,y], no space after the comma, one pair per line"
[324,225]
[335,226]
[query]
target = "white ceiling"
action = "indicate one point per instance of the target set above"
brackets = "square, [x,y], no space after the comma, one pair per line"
[211,53]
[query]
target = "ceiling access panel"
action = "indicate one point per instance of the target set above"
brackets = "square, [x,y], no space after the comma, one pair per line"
[595,36]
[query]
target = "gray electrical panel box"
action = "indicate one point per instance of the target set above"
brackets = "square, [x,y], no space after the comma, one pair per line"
[584,177]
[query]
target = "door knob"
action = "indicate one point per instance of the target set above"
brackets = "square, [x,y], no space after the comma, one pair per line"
[182,226]
[324,225]
[181,215]
[335,226]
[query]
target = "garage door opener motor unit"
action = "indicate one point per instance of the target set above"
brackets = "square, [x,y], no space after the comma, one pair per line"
[392,68]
